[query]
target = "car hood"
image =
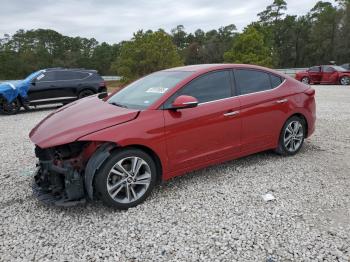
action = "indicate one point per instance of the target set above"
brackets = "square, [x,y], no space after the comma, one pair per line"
[11,89]
[77,119]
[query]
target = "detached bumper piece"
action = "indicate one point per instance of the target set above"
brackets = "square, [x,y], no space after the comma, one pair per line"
[59,186]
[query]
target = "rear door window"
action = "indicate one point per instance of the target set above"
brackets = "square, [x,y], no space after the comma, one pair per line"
[251,81]
[275,80]
[80,75]
[328,69]
[315,69]
[71,75]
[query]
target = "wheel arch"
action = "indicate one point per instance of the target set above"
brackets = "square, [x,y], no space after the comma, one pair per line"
[103,152]
[152,154]
[81,89]
[302,116]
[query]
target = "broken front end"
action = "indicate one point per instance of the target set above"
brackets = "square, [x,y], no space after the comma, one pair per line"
[65,173]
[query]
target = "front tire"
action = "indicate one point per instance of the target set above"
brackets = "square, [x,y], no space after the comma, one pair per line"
[292,136]
[345,80]
[11,108]
[305,80]
[126,179]
[85,92]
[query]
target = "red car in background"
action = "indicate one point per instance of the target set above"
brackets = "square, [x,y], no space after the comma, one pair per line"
[325,74]
[166,124]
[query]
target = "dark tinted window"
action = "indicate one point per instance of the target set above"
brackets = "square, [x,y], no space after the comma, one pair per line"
[80,75]
[275,80]
[63,75]
[315,69]
[46,76]
[70,75]
[250,81]
[212,86]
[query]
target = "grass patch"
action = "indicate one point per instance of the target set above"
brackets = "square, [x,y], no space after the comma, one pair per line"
[113,85]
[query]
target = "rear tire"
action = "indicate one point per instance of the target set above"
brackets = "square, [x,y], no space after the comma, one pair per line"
[305,80]
[345,80]
[126,179]
[291,137]
[85,92]
[11,108]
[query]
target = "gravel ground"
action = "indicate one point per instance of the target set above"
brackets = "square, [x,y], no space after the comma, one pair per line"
[216,214]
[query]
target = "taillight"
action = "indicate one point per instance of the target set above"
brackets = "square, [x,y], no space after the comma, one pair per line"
[310,92]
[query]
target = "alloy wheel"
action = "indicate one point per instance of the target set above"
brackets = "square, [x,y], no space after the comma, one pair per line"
[128,180]
[305,80]
[345,81]
[293,136]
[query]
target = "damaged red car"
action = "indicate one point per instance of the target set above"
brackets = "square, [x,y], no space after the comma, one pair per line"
[163,125]
[325,74]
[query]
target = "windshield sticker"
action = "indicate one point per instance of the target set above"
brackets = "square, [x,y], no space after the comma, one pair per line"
[40,77]
[157,90]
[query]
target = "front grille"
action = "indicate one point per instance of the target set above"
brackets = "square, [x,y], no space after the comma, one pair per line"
[42,154]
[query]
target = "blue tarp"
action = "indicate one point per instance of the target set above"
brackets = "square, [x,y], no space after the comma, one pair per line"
[12,89]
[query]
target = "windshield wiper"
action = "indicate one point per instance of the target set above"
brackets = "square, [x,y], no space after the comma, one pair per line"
[118,104]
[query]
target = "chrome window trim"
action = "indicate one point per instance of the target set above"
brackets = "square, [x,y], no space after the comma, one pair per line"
[244,94]
[89,74]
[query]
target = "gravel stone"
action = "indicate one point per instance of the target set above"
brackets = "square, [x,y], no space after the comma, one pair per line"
[215,214]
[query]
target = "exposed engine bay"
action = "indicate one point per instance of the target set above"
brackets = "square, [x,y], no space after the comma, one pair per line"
[65,173]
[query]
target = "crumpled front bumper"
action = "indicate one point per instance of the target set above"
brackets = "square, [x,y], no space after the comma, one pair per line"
[59,186]
[68,181]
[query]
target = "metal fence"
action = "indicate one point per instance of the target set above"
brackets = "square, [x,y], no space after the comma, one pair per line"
[111,78]
[106,78]
[288,71]
[291,71]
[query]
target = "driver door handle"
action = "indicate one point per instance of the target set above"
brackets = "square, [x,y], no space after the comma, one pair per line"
[234,113]
[282,101]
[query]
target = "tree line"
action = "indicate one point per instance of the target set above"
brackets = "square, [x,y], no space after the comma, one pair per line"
[276,40]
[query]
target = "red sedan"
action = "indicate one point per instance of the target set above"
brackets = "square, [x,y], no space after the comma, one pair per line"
[163,125]
[326,74]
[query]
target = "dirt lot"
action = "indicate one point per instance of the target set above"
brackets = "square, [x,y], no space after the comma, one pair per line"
[214,214]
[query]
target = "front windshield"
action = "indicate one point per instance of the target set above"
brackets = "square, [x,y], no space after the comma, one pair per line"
[145,91]
[339,68]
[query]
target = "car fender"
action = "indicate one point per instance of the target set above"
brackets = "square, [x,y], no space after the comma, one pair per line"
[93,165]
[343,74]
[147,131]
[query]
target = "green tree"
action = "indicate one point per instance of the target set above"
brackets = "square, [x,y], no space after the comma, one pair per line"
[179,37]
[147,52]
[249,48]
[343,37]
[324,20]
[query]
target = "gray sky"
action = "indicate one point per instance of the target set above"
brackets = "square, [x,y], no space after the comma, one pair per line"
[115,20]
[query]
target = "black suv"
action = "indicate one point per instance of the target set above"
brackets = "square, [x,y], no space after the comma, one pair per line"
[60,85]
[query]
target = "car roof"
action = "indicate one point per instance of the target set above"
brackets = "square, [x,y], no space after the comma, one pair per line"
[70,69]
[202,68]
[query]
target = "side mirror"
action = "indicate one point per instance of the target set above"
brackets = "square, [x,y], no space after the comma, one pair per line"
[102,95]
[183,101]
